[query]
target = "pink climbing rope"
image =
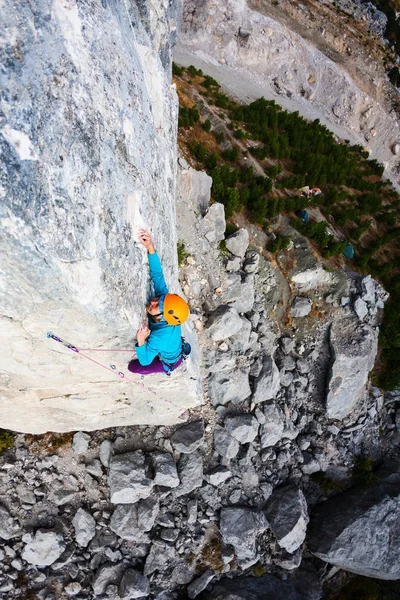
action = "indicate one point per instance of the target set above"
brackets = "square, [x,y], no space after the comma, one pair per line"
[112,370]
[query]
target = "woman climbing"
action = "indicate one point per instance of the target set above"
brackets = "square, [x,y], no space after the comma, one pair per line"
[160,346]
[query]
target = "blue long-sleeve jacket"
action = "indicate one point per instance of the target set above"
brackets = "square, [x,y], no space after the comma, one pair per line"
[164,340]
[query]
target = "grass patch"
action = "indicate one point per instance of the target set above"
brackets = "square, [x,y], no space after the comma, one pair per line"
[182,253]
[362,471]
[48,443]
[6,440]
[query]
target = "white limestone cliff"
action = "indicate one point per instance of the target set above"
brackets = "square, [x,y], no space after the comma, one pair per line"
[88,152]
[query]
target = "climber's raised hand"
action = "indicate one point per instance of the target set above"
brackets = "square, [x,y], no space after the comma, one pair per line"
[145,239]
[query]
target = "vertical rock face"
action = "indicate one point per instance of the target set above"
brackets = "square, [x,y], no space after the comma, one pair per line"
[354,347]
[88,152]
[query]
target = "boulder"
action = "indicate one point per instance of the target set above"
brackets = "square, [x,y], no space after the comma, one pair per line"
[223,323]
[127,479]
[160,555]
[360,308]
[214,223]
[353,349]
[190,468]
[85,527]
[240,528]
[252,261]
[198,585]
[165,471]
[189,437]
[124,522]
[218,475]
[44,549]
[133,585]
[107,574]
[267,384]
[287,344]
[239,293]
[233,265]
[244,428]
[271,431]
[287,515]
[368,289]
[238,242]
[147,512]
[301,307]
[357,530]
[229,386]
[105,453]
[226,445]
[80,443]
[9,527]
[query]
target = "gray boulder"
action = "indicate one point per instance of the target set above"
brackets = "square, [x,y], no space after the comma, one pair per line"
[271,431]
[124,522]
[229,386]
[214,223]
[288,517]
[244,428]
[105,453]
[232,264]
[240,527]
[267,384]
[190,468]
[9,527]
[301,307]
[198,585]
[239,293]
[160,555]
[107,574]
[218,475]
[133,585]
[127,479]
[85,527]
[252,261]
[353,348]
[238,242]
[360,308]
[44,549]
[226,445]
[189,437]
[223,323]
[165,471]
[61,496]
[368,287]
[357,530]
[147,512]
[131,521]
[80,443]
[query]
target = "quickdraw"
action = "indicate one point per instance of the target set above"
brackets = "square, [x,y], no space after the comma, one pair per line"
[111,368]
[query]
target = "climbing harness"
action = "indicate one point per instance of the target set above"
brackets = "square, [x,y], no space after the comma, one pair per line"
[111,368]
[185,351]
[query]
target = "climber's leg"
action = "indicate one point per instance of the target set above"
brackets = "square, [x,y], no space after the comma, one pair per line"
[154,367]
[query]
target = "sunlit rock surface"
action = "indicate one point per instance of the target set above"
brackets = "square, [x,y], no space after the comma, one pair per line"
[88,153]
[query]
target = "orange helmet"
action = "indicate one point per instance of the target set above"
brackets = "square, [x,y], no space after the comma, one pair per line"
[175,309]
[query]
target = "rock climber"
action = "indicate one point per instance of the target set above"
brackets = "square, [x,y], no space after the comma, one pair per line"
[160,347]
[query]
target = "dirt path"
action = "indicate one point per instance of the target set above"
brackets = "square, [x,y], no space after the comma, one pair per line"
[215,113]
